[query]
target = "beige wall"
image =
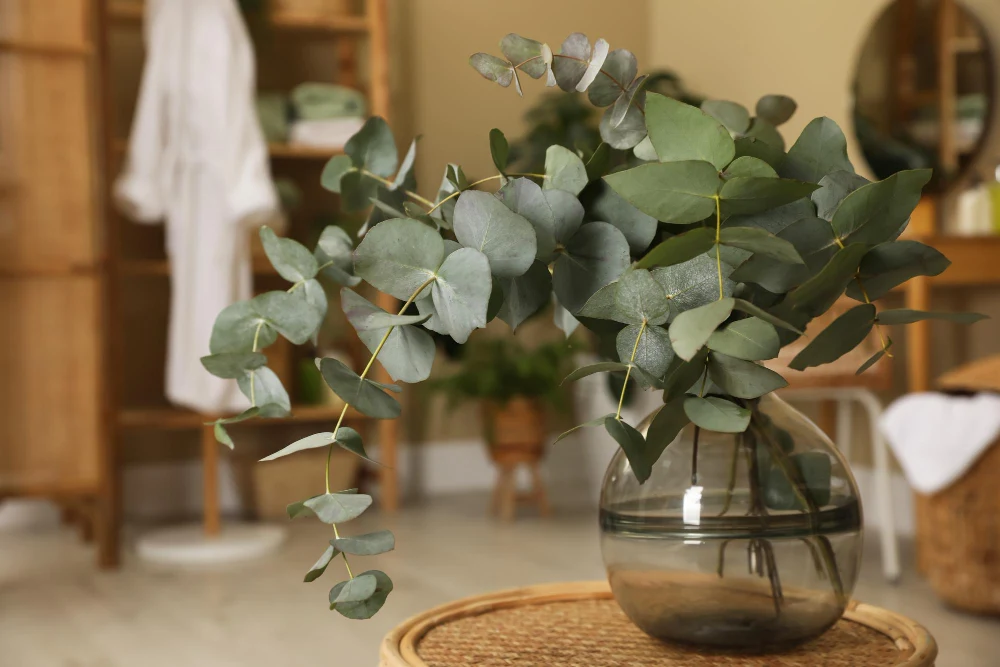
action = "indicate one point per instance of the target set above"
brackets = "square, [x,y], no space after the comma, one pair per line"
[444,99]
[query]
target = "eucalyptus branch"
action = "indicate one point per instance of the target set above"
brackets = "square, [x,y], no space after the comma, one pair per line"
[718,241]
[628,372]
[409,193]
[436,206]
[878,326]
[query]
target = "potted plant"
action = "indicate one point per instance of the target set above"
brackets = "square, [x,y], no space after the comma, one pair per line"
[728,519]
[513,385]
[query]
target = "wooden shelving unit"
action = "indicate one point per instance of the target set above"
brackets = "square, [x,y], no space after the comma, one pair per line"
[129,268]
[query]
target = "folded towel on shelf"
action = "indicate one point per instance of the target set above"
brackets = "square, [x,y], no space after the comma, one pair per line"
[321,101]
[937,437]
[331,133]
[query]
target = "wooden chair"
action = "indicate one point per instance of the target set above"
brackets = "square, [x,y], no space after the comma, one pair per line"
[839,389]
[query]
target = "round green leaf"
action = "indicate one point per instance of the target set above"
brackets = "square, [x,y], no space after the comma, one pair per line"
[569,71]
[843,335]
[716,414]
[461,293]
[751,338]
[633,444]
[608,206]
[338,507]
[682,132]
[734,117]
[366,396]
[653,352]
[525,295]
[740,378]
[367,608]
[595,256]
[374,148]
[493,68]
[334,171]
[629,130]
[232,365]
[407,354]
[820,149]
[237,327]
[640,298]
[564,170]
[483,223]
[691,329]
[674,192]
[526,198]
[398,256]
[499,149]
[614,79]
[369,544]
[525,53]
[776,109]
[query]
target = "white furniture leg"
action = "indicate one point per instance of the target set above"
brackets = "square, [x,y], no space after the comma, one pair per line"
[845,418]
[883,488]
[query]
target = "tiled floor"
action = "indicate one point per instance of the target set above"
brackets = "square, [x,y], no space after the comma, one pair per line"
[56,610]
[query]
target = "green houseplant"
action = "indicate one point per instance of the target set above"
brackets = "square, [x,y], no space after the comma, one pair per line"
[695,265]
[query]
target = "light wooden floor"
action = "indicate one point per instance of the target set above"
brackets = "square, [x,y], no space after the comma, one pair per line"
[56,610]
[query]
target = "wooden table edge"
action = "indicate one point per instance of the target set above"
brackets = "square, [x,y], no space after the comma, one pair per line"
[399,646]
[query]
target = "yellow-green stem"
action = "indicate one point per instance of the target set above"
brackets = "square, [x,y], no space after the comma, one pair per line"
[628,372]
[384,181]
[256,340]
[718,241]
[480,182]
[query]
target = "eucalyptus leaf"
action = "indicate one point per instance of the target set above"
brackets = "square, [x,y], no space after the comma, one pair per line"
[679,249]
[526,198]
[634,96]
[370,606]
[334,171]
[908,316]
[640,299]
[567,214]
[716,414]
[564,170]
[681,375]
[872,360]
[691,329]
[569,70]
[357,191]
[760,242]
[499,150]
[734,117]
[647,347]
[238,328]
[891,264]
[614,78]
[834,187]
[674,192]
[334,253]
[751,309]
[760,149]
[296,315]
[644,151]
[777,219]
[407,353]
[525,295]
[267,392]
[633,444]
[820,149]
[597,58]
[600,367]
[682,132]
[693,283]
[817,294]
[232,365]
[309,442]
[563,319]
[747,195]
[483,223]
[630,129]
[350,440]
[594,257]
[399,256]
[373,148]
[741,378]
[361,393]
[776,109]
[664,429]
[525,54]
[461,292]
[369,544]
[598,162]
[840,337]
[291,259]
[747,166]
[602,305]
[338,507]
[319,567]
[815,244]
[876,212]
[608,206]
[357,589]
[751,338]
[495,69]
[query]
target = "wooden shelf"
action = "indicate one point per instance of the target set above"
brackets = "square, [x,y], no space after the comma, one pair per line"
[276,150]
[178,418]
[161,267]
[297,151]
[132,12]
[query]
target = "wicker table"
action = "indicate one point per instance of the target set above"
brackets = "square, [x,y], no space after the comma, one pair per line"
[580,624]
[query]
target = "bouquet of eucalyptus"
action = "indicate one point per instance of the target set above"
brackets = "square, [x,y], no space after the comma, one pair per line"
[705,259]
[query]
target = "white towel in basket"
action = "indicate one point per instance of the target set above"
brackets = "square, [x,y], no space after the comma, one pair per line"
[937,437]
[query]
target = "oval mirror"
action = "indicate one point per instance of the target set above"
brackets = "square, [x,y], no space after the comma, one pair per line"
[923,90]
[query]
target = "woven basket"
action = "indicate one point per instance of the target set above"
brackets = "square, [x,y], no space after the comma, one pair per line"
[559,625]
[959,527]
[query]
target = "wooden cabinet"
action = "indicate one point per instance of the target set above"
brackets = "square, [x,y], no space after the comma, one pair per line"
[52,279]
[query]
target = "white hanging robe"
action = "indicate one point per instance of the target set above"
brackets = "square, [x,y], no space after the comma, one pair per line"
[197,160]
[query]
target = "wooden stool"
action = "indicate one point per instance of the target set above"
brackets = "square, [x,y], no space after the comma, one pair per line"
[505,495]
[580,624]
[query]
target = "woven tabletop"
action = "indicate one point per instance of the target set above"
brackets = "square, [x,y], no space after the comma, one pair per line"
[580,624]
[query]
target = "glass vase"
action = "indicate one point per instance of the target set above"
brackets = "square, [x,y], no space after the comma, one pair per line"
[747,541]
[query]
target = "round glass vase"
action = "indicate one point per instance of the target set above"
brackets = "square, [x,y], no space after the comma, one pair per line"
[747,541]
